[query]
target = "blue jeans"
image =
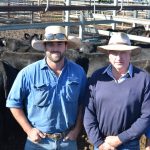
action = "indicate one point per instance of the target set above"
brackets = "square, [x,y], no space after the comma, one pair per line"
[132,145]
[49,144]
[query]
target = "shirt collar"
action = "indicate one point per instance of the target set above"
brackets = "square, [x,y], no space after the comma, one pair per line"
[108,70]
[43,63]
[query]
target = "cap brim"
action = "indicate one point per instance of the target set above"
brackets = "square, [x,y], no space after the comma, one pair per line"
[135,50]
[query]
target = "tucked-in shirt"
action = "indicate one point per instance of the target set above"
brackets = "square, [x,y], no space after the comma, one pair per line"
[50,102]
[117,109]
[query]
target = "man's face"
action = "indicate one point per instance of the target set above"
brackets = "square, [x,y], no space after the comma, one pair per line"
[120,59]
[55,51]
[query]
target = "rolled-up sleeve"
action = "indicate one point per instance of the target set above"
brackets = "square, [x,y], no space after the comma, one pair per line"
[17,92]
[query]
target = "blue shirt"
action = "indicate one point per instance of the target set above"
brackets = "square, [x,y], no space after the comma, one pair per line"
[50,102]
[129,73]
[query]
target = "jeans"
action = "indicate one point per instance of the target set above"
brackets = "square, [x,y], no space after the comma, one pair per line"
[49,144]
[132,145]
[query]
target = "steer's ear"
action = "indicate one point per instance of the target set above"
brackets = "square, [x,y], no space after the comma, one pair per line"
[27,36]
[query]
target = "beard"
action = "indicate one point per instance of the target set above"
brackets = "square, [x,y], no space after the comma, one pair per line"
[55,56]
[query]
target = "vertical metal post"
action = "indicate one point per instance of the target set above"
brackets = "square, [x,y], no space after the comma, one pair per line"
[32,15]
[148,15]
[82,26]
[8,11]
[94,7]
[114,14]
[135,15]
[39,2]
[67,18]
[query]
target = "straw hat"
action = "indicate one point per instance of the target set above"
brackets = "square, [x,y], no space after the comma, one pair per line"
[120,42]
[56,34]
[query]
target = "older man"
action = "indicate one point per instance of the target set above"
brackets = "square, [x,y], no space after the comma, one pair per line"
[117,112]
[47,96]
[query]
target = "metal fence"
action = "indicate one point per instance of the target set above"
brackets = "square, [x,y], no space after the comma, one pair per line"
[29,14]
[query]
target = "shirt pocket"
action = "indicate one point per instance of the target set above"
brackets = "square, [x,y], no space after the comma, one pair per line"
[42,94]
[72,89]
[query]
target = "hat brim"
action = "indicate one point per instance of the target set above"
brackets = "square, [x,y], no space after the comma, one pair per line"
[73,43]
[135,50]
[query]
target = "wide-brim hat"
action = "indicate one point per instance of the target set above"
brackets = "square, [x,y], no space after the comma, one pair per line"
[120,42]
[72,41]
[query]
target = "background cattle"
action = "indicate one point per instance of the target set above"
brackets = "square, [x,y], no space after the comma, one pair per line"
[14,58]
[9,128]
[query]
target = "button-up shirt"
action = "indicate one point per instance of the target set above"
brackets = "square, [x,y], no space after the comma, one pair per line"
[50,101]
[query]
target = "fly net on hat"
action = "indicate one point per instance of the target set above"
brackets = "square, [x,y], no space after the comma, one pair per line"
[56,34]
[120,42]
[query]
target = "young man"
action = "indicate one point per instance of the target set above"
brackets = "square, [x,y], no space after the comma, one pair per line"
[47,96]
[117,112]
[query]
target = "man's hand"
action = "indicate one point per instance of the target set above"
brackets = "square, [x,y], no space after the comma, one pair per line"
[114,141]
[106,146]
[72,135]
[147,144]
[35,135]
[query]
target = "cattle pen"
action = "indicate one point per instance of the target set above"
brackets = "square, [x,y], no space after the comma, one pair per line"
[87,15]
[84,18]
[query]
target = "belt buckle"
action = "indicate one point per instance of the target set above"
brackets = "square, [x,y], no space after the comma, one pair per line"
[57,136]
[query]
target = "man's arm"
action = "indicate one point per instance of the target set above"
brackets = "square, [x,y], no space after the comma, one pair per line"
[34,134]
[90,119]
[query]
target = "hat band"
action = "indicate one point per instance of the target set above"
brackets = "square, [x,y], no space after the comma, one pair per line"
[58,36]
[121,43]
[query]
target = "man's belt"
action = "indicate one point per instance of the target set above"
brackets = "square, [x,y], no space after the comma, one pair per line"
[56,136]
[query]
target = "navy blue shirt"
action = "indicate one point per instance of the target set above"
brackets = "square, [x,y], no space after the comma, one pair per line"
[119,109]
[51,102]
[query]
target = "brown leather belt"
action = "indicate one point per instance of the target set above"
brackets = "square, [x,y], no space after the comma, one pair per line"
[56,136]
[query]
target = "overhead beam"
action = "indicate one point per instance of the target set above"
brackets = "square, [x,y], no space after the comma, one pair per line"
[36,8]
[43,25]
[132,37]
[123,19]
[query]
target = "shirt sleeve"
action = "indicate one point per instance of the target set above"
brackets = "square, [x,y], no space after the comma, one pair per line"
[17,92]
[90,120]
